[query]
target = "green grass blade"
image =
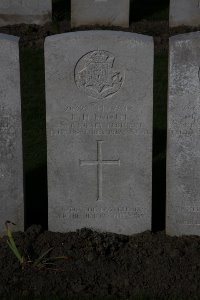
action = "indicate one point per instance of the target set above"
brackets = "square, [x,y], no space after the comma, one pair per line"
[11,243]
[16,252]
[39,260]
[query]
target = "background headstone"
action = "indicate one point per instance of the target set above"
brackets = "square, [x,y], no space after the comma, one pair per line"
[99,126]
[11,168]
[183,148]
[25,11]
[101,12]
[184,12]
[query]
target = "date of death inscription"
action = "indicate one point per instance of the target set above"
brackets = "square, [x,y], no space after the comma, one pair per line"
[101,213]
[98,123]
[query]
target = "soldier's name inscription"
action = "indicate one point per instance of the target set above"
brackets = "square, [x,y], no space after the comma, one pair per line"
[98,120]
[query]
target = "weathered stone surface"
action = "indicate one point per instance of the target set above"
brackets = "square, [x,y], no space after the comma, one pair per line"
[184,12]
[99,128]
[101,12]
[183,148]
[11,174]
[25,11]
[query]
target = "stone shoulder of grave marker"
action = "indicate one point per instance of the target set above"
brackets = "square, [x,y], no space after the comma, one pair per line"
[100,12]
[183,142]
[99,102]
[184,13]
[11,166]
[14,12]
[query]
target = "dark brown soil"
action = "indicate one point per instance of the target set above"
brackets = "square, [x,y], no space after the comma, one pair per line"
[102,266]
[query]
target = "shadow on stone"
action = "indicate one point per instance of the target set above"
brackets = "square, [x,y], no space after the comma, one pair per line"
[144,9]
[159,180]
[61,10]
[36,202]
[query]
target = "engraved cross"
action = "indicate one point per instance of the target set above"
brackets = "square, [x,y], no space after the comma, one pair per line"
[99,163]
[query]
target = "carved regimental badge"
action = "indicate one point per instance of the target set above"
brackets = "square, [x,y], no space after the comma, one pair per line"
[96,76]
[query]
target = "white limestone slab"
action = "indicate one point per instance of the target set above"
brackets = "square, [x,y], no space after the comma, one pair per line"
[25,11]
[99,101]
[183,146]
[184,12]
[11,168]
[101,12]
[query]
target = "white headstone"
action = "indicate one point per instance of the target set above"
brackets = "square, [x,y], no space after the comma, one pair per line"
[99,89]
[184,12]
[183,147]
[25,11]
[100,12]
[11,174]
